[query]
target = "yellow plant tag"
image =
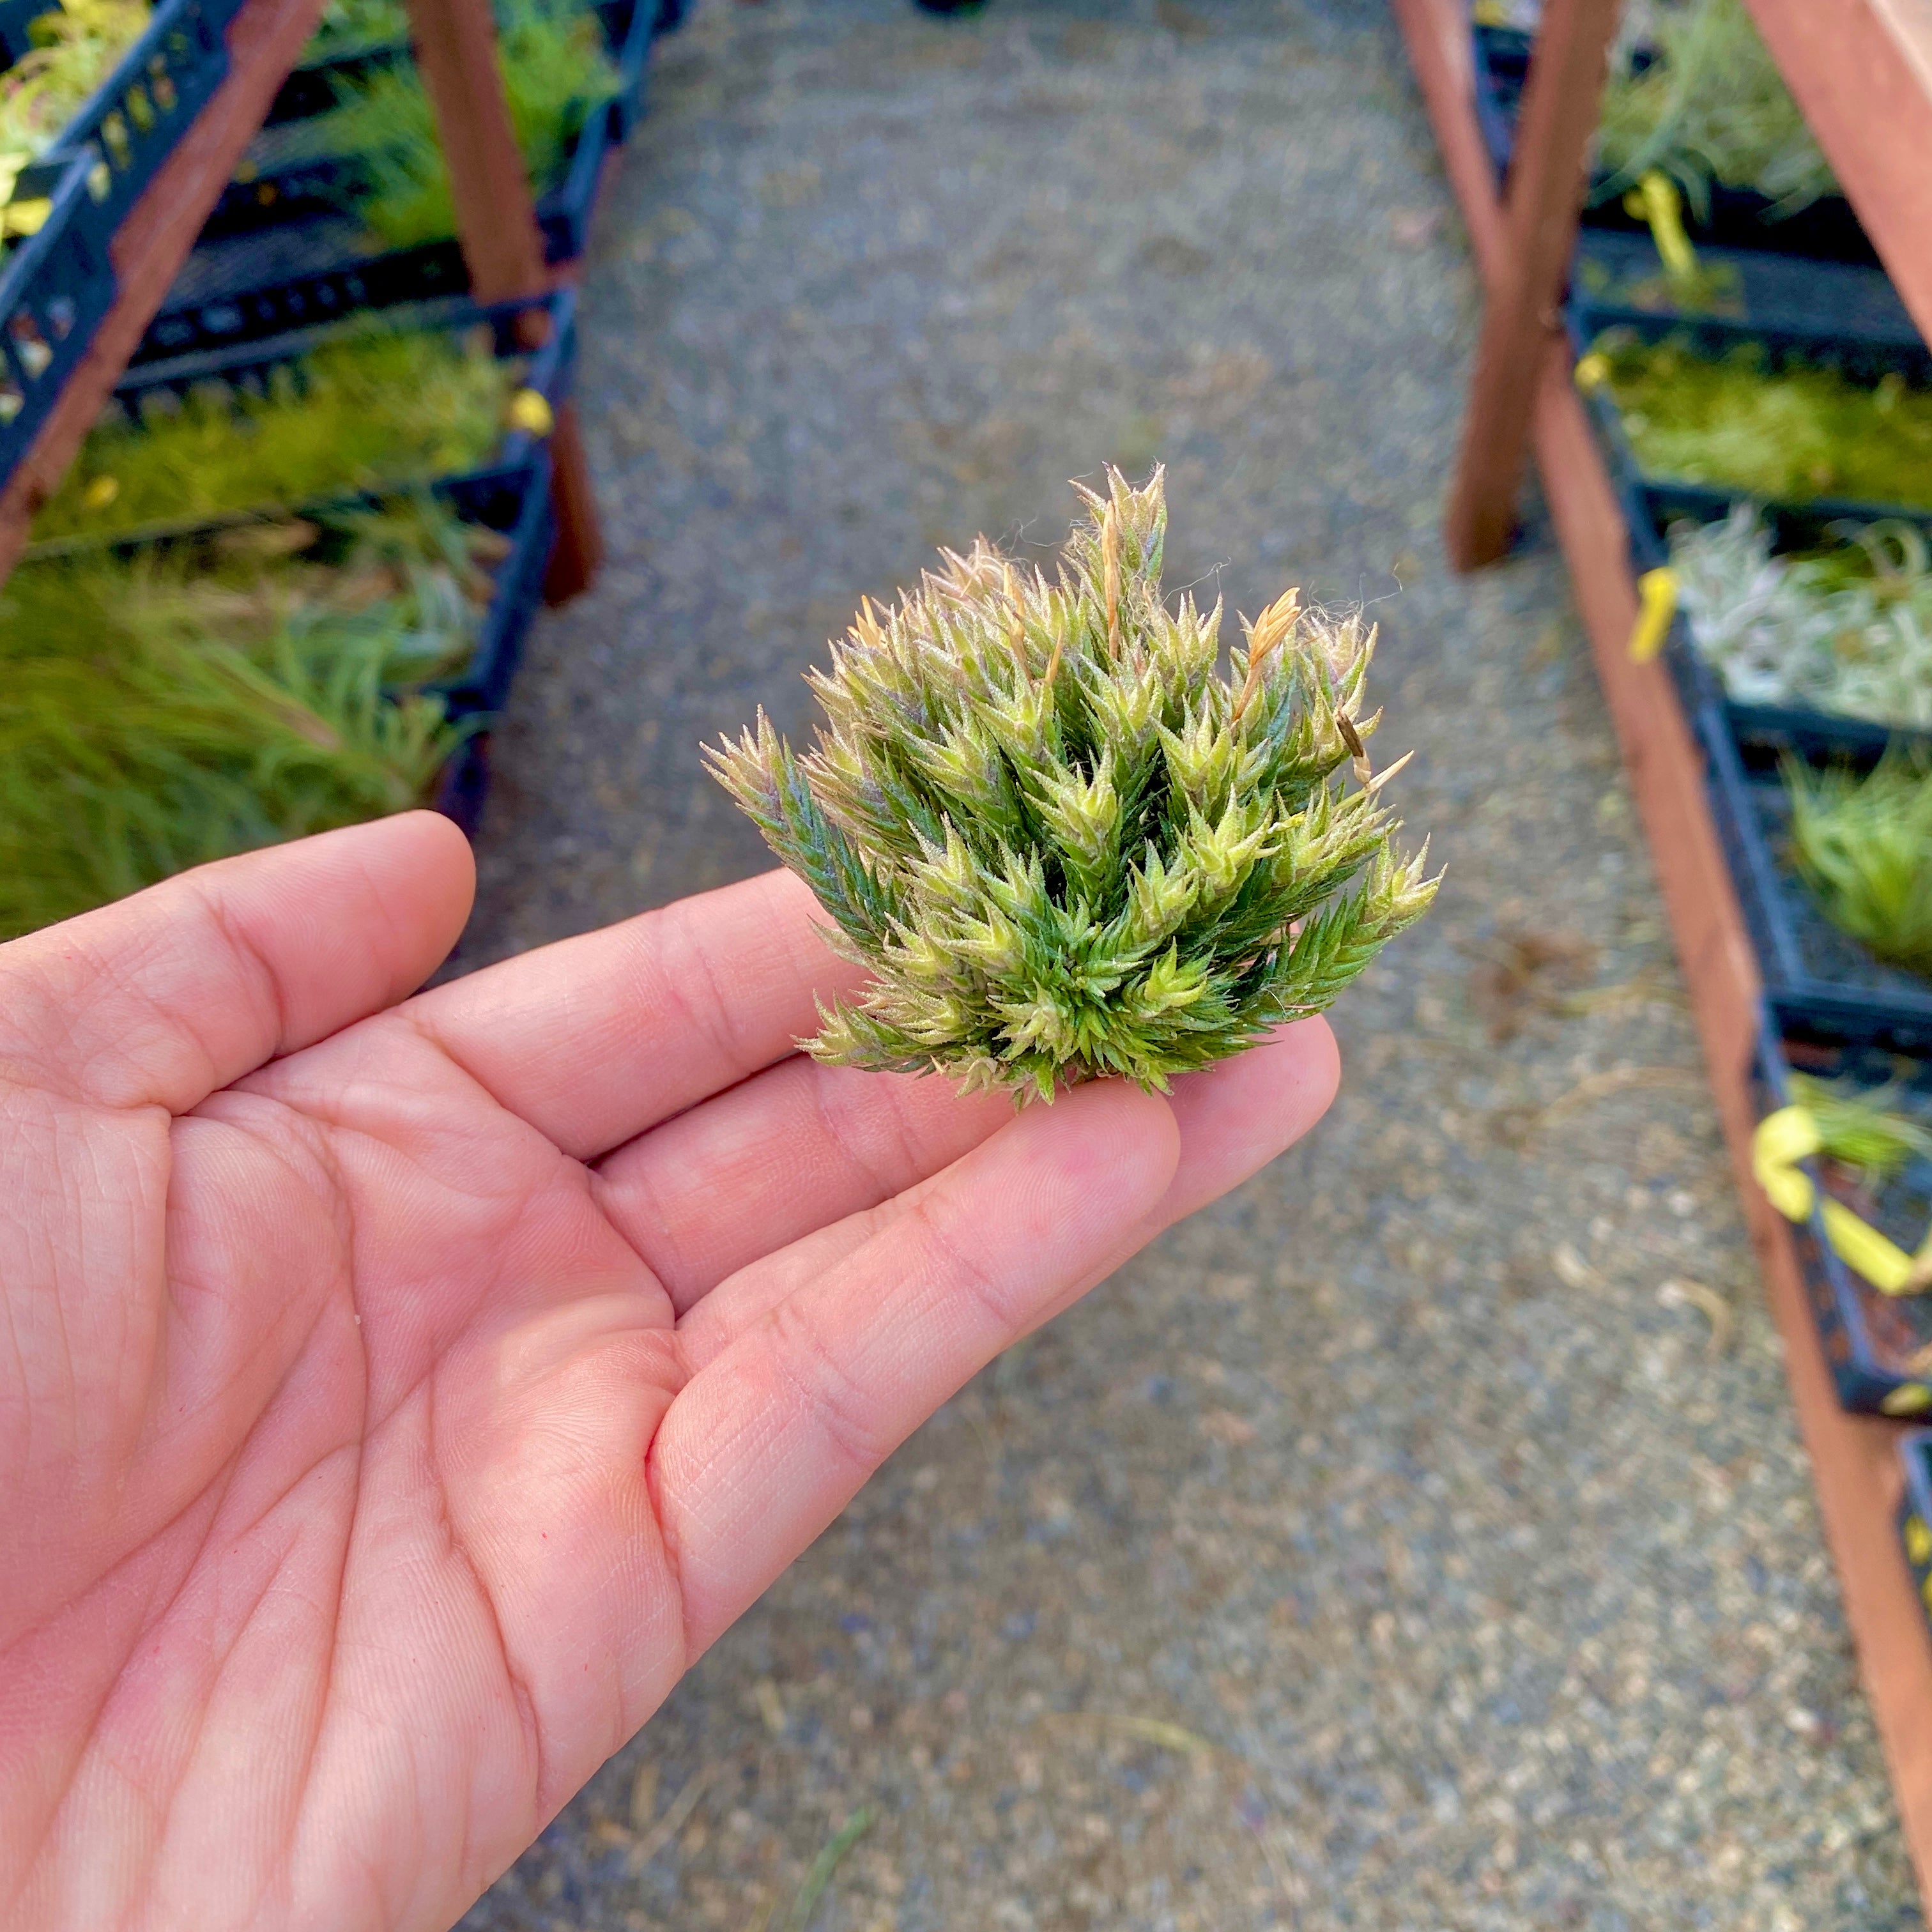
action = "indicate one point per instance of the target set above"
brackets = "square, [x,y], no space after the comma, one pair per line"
[1918,1540]
[1656,200]
[1656,594]
[28,216]
[530,411]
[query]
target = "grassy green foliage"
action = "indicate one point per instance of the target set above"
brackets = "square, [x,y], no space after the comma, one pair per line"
[1734,423]
[1861,1128]
[159,713]
[1710,105]
[1847,629]
[1067,845]
[555,69]
[1863,847]
[376,409]
[348,24]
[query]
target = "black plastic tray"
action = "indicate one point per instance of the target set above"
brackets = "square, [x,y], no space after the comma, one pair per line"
[1828,231]
[56,288]
[133,120]
[1620,275]
[510,492]
[1651,505]
[1915,1512]
[1814,974]
[629,27]
[282,178]
[250,287]
[260,270]
[1878,1347]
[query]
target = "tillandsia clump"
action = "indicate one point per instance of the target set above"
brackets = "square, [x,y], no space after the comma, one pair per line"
[1067,846]
[1863,847]
[1846,629]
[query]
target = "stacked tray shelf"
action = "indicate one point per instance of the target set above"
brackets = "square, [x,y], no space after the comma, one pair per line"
[58,284]
[1862,74]
[1813,270]
[284,248]
[509,493]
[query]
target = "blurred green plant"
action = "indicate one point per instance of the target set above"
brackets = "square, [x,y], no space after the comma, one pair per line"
[1067,846]
[160,711]
[1734,422]
[1861,1128]
[347,26]
[1694,94]
[75,48]
[556,70]
[373,409]
[1863,846]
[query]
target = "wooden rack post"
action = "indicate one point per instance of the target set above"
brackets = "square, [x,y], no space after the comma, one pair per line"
[1862,70]
[1545,193]
[455,44]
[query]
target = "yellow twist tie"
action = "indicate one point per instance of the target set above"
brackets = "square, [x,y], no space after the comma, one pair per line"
[530,410]
[1657,591]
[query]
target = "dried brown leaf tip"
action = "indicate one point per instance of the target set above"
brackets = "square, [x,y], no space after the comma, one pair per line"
[1065,843]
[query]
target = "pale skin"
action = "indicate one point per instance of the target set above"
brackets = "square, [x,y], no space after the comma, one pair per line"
[398,1394]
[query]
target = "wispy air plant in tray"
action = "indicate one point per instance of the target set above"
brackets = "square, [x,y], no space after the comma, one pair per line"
[1066,845]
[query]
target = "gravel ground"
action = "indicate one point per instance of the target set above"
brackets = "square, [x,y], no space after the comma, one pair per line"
[1399,1544]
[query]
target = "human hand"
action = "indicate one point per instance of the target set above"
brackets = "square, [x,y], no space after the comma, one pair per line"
[395,1399]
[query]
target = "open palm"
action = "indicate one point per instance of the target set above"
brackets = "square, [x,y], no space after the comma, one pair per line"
[396,1399]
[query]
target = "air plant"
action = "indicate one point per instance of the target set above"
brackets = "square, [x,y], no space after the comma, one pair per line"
[1694,94]
[1734,422]
[1861,1128]
[1065,844]
[1847,630]
[158,712]
[374,409]
[1863,846]
[555,70]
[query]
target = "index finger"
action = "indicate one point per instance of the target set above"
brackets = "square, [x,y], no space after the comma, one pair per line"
[593,1039]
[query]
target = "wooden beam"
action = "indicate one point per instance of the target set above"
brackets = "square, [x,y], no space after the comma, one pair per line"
[1545,195]
[1439,42]
[1861,71]
[264,40]
[455,44]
